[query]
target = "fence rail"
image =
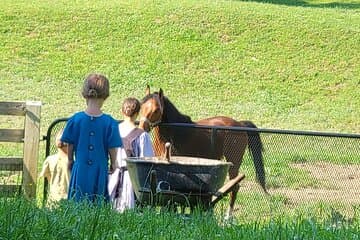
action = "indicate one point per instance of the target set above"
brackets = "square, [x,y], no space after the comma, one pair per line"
[26,163]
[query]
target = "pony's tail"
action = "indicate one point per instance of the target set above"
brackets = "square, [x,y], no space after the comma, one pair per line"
[256,149]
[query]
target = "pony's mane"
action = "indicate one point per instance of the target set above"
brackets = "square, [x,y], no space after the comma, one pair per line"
[172,115]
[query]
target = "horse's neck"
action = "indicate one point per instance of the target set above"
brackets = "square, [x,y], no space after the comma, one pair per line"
[173,115]
[178,119]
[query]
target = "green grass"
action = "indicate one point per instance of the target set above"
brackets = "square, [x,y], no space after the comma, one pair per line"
[285,64]
[81,221]
[281,64]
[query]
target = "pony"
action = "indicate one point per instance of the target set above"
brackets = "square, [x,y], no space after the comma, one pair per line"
[156,108]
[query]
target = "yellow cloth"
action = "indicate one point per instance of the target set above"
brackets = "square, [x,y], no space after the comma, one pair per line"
[55,170]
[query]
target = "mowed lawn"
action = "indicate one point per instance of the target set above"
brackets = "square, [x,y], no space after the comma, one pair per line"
[281,64]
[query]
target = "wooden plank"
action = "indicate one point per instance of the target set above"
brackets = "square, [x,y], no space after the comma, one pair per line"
[12,135]
[31,147]
[10,190]
[11,164]
[12,108]
[224,190]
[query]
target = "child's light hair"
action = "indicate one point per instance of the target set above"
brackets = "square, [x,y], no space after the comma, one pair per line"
[95,86]
[58,142]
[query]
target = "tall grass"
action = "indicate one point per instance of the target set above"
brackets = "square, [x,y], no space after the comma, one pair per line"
[22,219]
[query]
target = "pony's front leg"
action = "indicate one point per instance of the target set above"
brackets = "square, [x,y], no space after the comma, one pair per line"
[233,193]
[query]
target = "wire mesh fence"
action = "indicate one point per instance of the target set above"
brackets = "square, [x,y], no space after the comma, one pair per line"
[304,171]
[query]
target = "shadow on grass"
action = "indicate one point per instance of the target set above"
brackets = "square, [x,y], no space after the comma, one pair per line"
[300,3]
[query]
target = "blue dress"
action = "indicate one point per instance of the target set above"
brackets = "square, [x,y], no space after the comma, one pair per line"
[92,137]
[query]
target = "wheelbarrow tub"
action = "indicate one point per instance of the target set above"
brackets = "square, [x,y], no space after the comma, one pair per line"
[195,178]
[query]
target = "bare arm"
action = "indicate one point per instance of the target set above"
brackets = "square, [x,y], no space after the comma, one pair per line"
[70,156]
[113,163]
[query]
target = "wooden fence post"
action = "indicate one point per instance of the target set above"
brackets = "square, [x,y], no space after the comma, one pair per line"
[31,147]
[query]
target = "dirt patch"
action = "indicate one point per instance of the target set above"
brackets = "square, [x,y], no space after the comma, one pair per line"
[341,184]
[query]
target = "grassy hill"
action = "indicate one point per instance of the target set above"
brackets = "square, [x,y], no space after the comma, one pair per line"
[287,64]
[281,64]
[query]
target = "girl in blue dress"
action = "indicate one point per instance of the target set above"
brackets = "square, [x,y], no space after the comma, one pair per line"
[93,137]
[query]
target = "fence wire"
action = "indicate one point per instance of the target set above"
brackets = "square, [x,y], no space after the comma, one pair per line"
[304,171]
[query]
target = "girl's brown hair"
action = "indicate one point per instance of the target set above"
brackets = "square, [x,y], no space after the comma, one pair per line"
[96,86]
[130,107]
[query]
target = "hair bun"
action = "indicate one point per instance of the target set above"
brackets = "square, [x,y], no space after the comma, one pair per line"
[92,93]
[96,86]
[130,107]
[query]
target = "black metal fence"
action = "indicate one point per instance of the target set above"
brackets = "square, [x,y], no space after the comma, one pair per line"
[305,171]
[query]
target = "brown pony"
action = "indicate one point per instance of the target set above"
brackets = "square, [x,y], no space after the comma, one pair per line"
[157,108]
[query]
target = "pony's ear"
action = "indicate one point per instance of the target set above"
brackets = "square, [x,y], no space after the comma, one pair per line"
[147,90]
[161,93]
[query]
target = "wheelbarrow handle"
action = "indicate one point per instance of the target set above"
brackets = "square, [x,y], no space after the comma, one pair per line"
[224,190]
[167,151]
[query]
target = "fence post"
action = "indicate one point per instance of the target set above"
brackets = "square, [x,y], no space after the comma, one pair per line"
[213,142]
[31,147]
